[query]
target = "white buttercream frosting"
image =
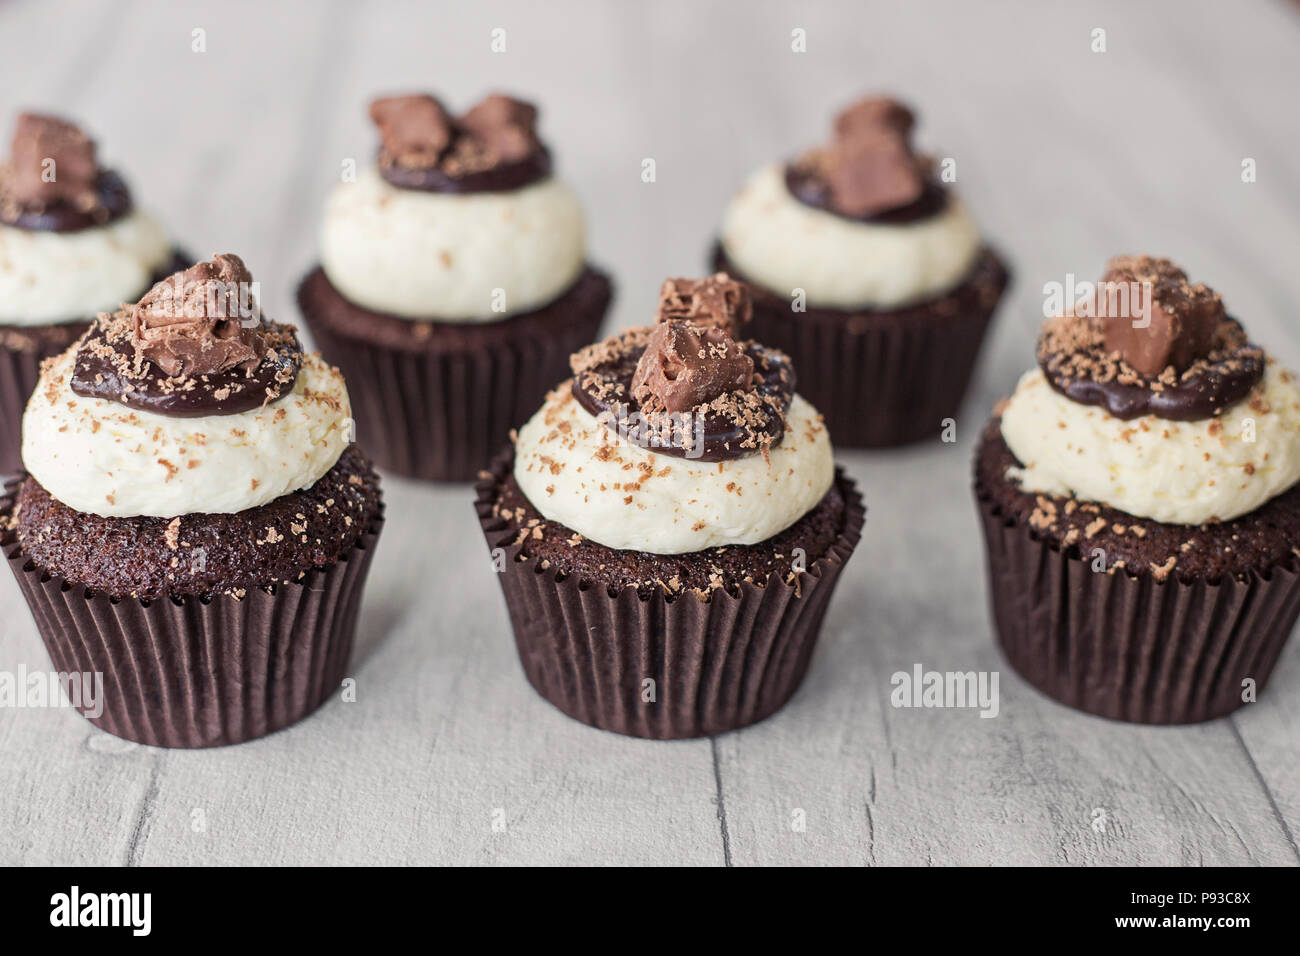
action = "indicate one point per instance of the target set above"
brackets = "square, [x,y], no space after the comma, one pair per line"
[1173,472]
[48,277]
[783,244]
[576,471]
[104,458]
[455,258]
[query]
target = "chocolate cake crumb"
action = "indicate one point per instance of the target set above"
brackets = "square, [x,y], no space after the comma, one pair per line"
[569,553]
[1253,543]
[218,553]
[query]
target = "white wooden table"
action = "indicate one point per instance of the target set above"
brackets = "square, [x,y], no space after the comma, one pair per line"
[1067,157]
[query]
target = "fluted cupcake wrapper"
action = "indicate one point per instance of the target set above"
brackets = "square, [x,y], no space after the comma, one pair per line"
[440,413]
[1130,647]
[201,672]
[659,668]
[883,378]
[22,349]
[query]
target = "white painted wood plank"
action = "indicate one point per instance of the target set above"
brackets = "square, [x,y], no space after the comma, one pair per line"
[951,788]
[887,785]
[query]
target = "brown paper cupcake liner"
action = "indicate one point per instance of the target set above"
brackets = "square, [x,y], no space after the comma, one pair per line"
[888,378]
[713,666]
[200,672]
[439,410]
[22,349]
[1126,646]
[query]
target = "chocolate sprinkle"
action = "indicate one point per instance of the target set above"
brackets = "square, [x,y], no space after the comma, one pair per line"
[1076,363]
[733,425]
[185,349]
[106,367]
[685,365]
[1148,342]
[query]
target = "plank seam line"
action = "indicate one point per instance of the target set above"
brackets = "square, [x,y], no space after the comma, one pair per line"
[1268,792]
[722,807]
[144,816]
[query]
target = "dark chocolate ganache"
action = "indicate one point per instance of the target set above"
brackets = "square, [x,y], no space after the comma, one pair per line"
[805,185]
[503,177]
[735,425]
[1210,384]
[112,201]
[106,367]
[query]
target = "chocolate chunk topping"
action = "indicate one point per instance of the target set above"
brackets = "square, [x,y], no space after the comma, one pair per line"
[735,423]
[192,323]
[196,344]
[414,130]
[1185,360]
[871,165]
[1153,317]
[690,357]
[506,128]
[53,161]
[493,147]
[718,301]
[869,171]
[685,365]
[52,181]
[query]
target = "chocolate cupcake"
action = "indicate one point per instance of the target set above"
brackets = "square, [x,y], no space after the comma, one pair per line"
[453,284]
[71,245]
[1140,504]
[670,526]
[870,274]
[196,525]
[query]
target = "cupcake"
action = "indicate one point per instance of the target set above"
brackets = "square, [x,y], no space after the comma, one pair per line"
[196,524]
[870,274]
[1140,504]
[453,283]
[71,245]
[670,525]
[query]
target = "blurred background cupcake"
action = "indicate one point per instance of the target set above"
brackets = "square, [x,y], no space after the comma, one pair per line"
[72,245]
[1140,504]
[670,525]
[870,273]
[197,524]
[453,283]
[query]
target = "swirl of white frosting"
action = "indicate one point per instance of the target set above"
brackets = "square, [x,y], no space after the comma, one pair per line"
[48,277]
[103,458]
[474,257]
[576,471]
[1185,473]
[783,244]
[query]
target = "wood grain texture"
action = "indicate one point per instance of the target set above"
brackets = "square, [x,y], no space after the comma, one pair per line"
[1066,156]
